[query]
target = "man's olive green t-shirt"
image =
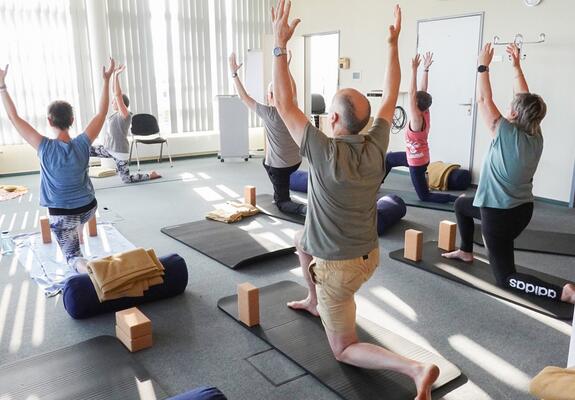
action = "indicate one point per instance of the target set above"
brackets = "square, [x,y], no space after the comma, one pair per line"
[345,174]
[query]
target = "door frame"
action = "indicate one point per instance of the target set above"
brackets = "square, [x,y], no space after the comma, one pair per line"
[306,37]
[572,197]
[480,14]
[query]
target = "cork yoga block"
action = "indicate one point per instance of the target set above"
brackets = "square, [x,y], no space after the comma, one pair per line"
[92,227]
[447,235]
[45,229]
[137,344]
[134,323]
[249,304]
[250,195]
[413,245]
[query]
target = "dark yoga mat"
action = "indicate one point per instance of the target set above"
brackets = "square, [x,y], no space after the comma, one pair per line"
[410,198]
[100,368]
[301,338]
[539,241]
[265,202]
[228,243]
[478,275]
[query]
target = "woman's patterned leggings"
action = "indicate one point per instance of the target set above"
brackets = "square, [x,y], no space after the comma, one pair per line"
[121,166]
[65,227]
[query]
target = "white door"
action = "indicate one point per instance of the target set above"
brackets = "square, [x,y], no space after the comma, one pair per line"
[455,43]
[322,67]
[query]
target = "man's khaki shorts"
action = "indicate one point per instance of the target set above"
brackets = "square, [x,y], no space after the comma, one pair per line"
[336,283]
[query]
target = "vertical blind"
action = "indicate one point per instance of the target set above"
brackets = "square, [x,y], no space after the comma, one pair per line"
[174,68]
[36,39]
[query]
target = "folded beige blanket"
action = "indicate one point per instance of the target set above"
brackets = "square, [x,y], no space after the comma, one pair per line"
[127,274]
[438,174]
[101,172]
[554,383]
[232,212]
[8,192]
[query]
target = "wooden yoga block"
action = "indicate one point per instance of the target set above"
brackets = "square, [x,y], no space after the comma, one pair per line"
[447,234]
[137,344]
[134,323]
[250,195]
[45,228]
[92,227]
[249,304]
[413,245]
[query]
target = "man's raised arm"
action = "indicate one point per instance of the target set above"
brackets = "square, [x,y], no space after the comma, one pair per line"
[294,119]
[393,71]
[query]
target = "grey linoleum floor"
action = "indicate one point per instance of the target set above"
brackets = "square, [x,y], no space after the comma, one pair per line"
[499,347]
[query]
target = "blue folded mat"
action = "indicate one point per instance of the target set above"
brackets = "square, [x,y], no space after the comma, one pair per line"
[201,393]
[81,300]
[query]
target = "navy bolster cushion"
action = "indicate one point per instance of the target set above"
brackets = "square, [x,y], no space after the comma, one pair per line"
[459,179]
[298,181]
[81,300]
[390,209]
[201,393]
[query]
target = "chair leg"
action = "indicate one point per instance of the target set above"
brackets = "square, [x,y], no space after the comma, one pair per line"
[130,158]
[137,156]
[161,149]
[169,154]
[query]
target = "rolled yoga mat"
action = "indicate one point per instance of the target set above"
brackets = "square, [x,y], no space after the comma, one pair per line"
[97,369]
[539,241]
[301,337]
[234,245]
[478,275]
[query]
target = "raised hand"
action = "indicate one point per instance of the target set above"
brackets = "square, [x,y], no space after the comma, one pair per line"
[486,55]
[107,73]
[514,54]
[395,29]
[234,66]
[427,60]
[283,30]
[3,73]
[415,62]
[121,68]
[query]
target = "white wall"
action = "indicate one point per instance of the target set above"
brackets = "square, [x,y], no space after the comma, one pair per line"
[549,67]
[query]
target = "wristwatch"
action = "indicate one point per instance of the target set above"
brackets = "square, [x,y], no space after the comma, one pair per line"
[482,68]
[279,51]
[235,75]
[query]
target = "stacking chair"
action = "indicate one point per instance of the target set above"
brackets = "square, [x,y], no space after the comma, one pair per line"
[317,107]
[146,125]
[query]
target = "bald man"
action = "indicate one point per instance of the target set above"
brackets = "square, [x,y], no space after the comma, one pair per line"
[339,249]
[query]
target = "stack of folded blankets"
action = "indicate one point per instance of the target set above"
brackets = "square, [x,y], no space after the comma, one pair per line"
[101,172]
[438,174]
[232,212]
[8,192]
[127,274]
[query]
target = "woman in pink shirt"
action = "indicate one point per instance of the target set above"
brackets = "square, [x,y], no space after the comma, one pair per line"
[416,154]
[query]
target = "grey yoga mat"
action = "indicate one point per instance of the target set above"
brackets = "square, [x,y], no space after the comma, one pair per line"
[265,202]
[478,275]
[97,369]
[300,337]
[231,245]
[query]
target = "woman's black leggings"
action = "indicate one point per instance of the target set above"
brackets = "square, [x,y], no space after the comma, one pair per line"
[500,227]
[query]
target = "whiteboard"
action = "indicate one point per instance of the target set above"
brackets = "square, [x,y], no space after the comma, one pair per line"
[232,119]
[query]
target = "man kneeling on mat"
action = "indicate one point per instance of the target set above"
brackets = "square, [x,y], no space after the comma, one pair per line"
[282,153]
[339,248]
[504,198]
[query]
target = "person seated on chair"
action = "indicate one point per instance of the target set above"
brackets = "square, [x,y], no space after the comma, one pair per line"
[116,144]
[65,187]
[339,248]
[416,155]
[504,198]
[282,154]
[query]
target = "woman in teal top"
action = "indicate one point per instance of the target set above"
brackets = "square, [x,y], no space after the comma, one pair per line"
[65,188]
[504,198]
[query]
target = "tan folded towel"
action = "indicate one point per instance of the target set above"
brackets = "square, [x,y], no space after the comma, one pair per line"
[232,212]
[438,174]
[125,274]
[8,192]
[101,172]
[554,383]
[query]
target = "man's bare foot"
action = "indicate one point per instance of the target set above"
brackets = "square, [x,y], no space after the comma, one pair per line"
[306,305]
[568,293]
[424,378]
[459,255]
[154,175]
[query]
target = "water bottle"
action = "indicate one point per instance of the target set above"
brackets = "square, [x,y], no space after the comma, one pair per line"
[7,243]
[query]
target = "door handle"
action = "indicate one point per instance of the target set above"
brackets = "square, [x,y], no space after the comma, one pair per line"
[466,104]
